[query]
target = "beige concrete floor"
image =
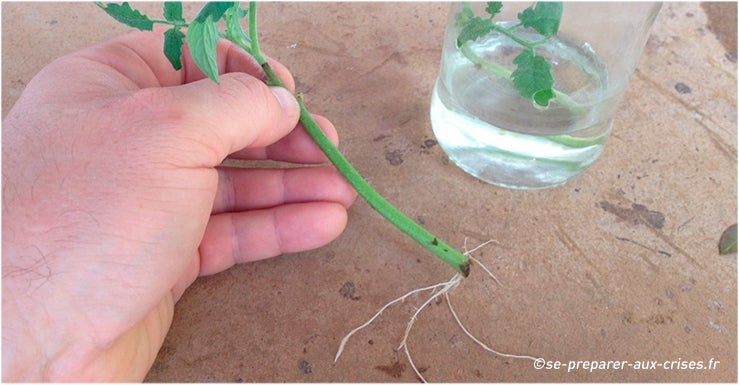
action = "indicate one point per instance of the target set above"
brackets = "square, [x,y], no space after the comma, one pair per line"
[587,275]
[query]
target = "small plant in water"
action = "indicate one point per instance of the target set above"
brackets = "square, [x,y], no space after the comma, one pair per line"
[533,74]
[202,34]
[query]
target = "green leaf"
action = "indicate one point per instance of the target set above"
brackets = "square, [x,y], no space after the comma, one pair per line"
[173,11]
[493,8]
[464,16]
[128,16]
[543,97]
[727,243]
[201,38]
[543,17]
[233,26]
[533,78]
[214,9]
[473,29]
[173,47]
[238,11]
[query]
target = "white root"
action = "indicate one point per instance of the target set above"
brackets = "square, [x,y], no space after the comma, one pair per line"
[364,325]
[443,289]
[491,350]
[454,281]
[467,253]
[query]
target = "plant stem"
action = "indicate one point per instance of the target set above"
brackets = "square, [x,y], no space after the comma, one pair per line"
[561,98]
[466,50]
[447,253]
[272,78]
[509,33]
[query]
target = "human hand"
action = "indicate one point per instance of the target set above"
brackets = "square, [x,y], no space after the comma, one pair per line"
[114,201]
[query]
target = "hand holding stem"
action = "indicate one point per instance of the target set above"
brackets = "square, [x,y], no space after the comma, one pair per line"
[203,35]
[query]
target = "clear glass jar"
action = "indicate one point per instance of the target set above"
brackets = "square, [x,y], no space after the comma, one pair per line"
[492,109]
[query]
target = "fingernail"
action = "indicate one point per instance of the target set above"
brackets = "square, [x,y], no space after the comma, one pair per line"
[285,98]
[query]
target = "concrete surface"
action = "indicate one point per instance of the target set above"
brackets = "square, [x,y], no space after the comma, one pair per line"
[619,264]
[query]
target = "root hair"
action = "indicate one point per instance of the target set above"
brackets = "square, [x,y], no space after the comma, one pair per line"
[437,290]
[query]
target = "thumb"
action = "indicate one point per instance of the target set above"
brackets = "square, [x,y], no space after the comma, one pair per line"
[239,112]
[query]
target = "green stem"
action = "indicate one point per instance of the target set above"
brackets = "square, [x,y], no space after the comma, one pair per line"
[578,142]
[563,99]
[272,78]
[448,254]
[496,69]
[511,28]
[172,23]
[498,153]
[560,97]
[509,33]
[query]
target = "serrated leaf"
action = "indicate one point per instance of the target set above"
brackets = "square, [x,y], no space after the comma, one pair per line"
[473,29]
[727,242]
[464,16]
[173,47]
[201,38]
[214,10]
[543,17]
[173,11]
[533,78]
[493,8]
[128,16]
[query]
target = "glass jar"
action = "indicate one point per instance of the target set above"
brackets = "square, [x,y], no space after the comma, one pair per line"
[525,97]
